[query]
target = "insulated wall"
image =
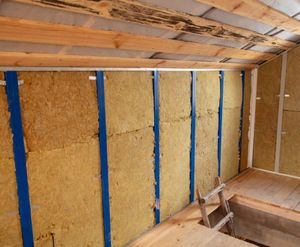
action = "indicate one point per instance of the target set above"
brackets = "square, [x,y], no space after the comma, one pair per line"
[290,156]
[231,124]
[175,135]
[60,121]
[208,96]
[268,87]
[129,109]
[206,160]
[266,121]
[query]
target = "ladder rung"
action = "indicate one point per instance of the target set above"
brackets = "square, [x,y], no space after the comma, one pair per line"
[212,193]
[223,221]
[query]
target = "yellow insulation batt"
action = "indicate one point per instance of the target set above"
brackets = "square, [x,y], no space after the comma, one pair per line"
[175,112]
[207,104]
[129,110]
[231,124]
[60,120]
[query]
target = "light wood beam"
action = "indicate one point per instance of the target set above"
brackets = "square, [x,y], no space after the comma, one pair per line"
[21,59]
[256,10]
[141,13]
[21,30]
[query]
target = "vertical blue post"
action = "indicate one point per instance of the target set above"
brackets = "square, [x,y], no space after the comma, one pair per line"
[12,92]
[103,157]
[221,74]
[193,138]
[156,146]
[241,121]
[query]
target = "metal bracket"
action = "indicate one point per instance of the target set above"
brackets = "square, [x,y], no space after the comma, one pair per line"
[94,78]
[3,83]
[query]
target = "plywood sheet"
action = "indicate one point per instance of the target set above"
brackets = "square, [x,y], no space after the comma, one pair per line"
[65,194]
[175,95]
[290,156]
[268,87]
[292,86]
[129,101]
[207,92]
[10,229]
[246,118]
[174,166]
[131,178]
[59,108]
[206,162]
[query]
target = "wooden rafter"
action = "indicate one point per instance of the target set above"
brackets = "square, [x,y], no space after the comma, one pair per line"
[256,10]
[17,59]
[141,13]
[46,33]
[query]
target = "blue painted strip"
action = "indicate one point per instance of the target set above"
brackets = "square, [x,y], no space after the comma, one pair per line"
[12,92]
[241,121]
[221,73]
[156,146]
[193,138]
[103,157]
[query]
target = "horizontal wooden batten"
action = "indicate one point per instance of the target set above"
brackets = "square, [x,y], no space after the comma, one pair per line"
[256,10]
[141,13]
[48,33]
[20,59]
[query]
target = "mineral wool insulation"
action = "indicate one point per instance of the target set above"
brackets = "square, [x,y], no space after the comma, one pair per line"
[129,104]
[175,111]
[268,86]
[290,156]
[267,116]
[60,120]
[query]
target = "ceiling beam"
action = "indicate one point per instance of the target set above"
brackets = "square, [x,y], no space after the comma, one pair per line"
[21,59]
[256,10]
[21,30]
[141,13]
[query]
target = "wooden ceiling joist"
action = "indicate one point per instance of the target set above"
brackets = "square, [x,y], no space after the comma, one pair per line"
[256,10]
[141,13]
[57,34]
[20,59]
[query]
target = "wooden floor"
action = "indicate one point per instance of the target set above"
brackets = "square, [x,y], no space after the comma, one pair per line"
[183,229]
[280,190]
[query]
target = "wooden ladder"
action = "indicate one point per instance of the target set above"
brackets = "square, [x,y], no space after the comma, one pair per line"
[228,219]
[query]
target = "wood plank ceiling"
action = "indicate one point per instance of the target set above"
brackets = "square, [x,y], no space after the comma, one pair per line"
[145,33]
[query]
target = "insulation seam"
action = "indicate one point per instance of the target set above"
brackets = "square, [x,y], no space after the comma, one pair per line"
[193,138]
[13,99]
[220,121]
[156,145]
[103,158]
[241,121]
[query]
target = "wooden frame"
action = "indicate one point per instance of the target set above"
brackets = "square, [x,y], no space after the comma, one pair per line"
[256,10]
[141,13]
[49,60]
[57,34]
